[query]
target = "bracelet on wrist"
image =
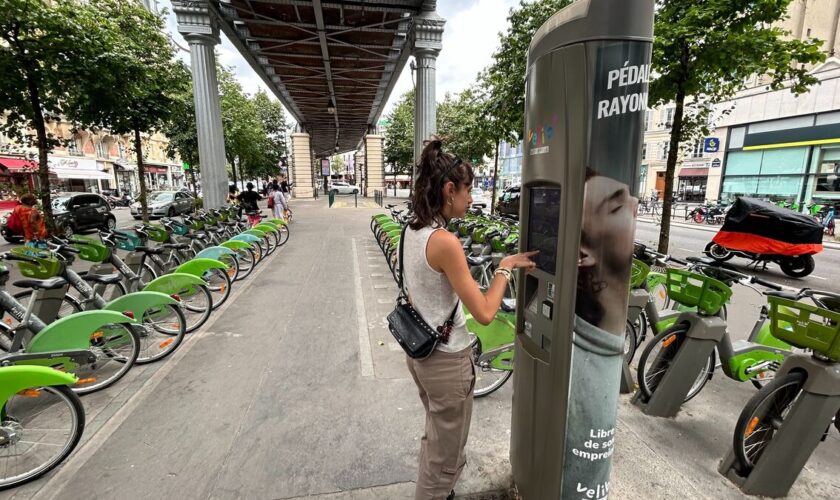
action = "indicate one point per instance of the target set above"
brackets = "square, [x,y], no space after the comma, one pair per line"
[504,272]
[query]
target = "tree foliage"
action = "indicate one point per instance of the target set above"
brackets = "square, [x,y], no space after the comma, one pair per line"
[462,127]
[503,82]
[702,55]
[53,57]
[273,119]
[399,135]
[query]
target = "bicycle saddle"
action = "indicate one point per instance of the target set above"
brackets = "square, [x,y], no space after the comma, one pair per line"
[104,279]
[176,246]
[149,250]
[48,284]
[477,261]
[508,305]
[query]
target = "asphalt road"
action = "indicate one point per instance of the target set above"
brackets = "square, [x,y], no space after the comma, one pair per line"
[687,241]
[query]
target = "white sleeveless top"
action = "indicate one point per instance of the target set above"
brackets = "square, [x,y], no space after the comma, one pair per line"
[430,292]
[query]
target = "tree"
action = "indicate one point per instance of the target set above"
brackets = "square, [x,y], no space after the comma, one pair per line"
[337,165]
[245,136]
[182,133]
[702,55]
[399,136]
[461,127]
[502,84]
[273,119]
[53,57]
[504,79]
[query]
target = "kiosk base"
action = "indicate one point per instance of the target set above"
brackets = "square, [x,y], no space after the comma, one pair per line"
[627,384]
[802,430]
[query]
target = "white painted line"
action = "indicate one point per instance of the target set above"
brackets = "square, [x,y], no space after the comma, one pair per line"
[686,250]
[381,287]
[81,456]
[819,277]
[365,356]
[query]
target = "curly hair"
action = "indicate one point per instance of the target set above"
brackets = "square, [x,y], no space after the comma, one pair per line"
[434,170]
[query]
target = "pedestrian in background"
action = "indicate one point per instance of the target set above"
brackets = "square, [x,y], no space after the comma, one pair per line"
[31,221]
[279,199]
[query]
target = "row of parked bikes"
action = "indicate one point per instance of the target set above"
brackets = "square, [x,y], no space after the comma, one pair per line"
[671,301]
[70,332]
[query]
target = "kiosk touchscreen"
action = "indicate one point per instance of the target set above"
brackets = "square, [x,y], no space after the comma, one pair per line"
[586,94]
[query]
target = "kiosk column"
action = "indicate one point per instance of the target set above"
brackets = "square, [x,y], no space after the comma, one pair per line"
[586,94]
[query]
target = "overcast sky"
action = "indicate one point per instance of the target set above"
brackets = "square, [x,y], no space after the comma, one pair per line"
[469,39]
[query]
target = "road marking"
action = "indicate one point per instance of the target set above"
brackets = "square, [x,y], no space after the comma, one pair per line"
[819,277]
[84,453]
[686,250]
[365,356]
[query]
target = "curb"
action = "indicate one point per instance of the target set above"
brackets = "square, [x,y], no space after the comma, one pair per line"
[713,229]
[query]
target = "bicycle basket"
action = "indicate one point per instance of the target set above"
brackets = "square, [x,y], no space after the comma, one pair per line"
[91,250]
[157,233]
[806,326]
[695,290]
[130,242]
[638,273]
[197,225]
[43,265]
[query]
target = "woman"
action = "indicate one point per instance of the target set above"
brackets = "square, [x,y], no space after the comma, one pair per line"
[279,198]
[32,222]
[436,278]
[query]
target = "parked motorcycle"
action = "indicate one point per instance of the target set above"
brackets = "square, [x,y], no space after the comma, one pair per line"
[764,232]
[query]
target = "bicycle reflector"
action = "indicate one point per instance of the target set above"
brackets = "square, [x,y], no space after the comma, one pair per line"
[176,297]
[129,314]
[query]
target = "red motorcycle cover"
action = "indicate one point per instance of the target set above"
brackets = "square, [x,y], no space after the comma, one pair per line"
[760,227]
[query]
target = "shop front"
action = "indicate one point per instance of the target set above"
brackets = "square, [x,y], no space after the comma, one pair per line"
[692,183]
[125,175]
[157,178]
[16,177]
[78,175]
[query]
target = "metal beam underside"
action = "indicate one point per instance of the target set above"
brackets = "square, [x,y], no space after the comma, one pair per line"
[317,53]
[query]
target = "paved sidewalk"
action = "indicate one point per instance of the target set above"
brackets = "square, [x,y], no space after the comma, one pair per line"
[296,390]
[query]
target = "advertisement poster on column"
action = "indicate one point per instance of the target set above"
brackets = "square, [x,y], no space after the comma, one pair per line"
[619,74]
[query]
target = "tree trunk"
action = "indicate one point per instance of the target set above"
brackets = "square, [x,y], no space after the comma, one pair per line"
[141,173]
[233,169]
[43,151]
[495,180]
[671,165]
[194,186]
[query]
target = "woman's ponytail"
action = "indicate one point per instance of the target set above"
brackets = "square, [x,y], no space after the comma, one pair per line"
[434,170]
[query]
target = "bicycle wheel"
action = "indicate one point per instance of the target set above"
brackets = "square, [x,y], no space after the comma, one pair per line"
[246,260]
[487,378]
[68,306]
[233,266]
[283,233]
[218,283]
[196,304]
[147,275]
[630,342]
[116,348]
[762,417]
[658,356]
[40,427]
[161,333]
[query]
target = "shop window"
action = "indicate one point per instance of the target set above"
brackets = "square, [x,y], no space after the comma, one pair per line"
[736,138]
[743,163]
[784,161]
[738,186]
[691,189]
[828,178]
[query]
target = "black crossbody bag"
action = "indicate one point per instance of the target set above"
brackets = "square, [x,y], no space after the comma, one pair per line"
[411,331]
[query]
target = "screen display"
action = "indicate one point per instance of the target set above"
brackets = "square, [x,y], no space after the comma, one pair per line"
[543,224]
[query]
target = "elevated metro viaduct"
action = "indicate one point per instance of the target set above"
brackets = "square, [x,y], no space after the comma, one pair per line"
[333,65]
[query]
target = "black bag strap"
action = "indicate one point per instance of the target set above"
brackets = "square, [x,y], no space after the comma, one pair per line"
[402,281]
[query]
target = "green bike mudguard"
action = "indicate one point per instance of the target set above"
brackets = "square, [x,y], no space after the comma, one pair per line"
[139,302]
[175,283]
[199,266]
[255,232]
[266,226]
[74,331]
[498,333]
[279,222]
[14,379]
[246,237]
[214,253]
[235,245]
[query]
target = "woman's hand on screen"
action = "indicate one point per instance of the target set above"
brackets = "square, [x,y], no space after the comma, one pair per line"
[519,261]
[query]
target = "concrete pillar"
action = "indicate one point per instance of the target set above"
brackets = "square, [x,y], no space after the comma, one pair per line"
[426,44]
[200,30]
[359,166]
[375,166]
[301,166]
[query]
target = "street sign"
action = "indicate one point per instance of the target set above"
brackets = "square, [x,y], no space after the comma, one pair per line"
[716,163]
[711,145]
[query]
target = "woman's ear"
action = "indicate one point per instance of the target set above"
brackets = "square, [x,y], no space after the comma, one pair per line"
[586,258]
[449,189]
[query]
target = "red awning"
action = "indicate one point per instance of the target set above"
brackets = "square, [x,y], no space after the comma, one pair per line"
[18,164]
[694,172]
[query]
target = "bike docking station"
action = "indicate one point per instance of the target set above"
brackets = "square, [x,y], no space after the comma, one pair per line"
[803,428]
[638,301]
[586,93]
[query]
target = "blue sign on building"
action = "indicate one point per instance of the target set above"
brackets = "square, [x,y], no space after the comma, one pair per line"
[711,145]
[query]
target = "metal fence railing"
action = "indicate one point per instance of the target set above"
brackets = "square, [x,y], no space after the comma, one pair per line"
[378,198]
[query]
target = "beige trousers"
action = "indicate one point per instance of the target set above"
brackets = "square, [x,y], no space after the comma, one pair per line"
[445,381]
